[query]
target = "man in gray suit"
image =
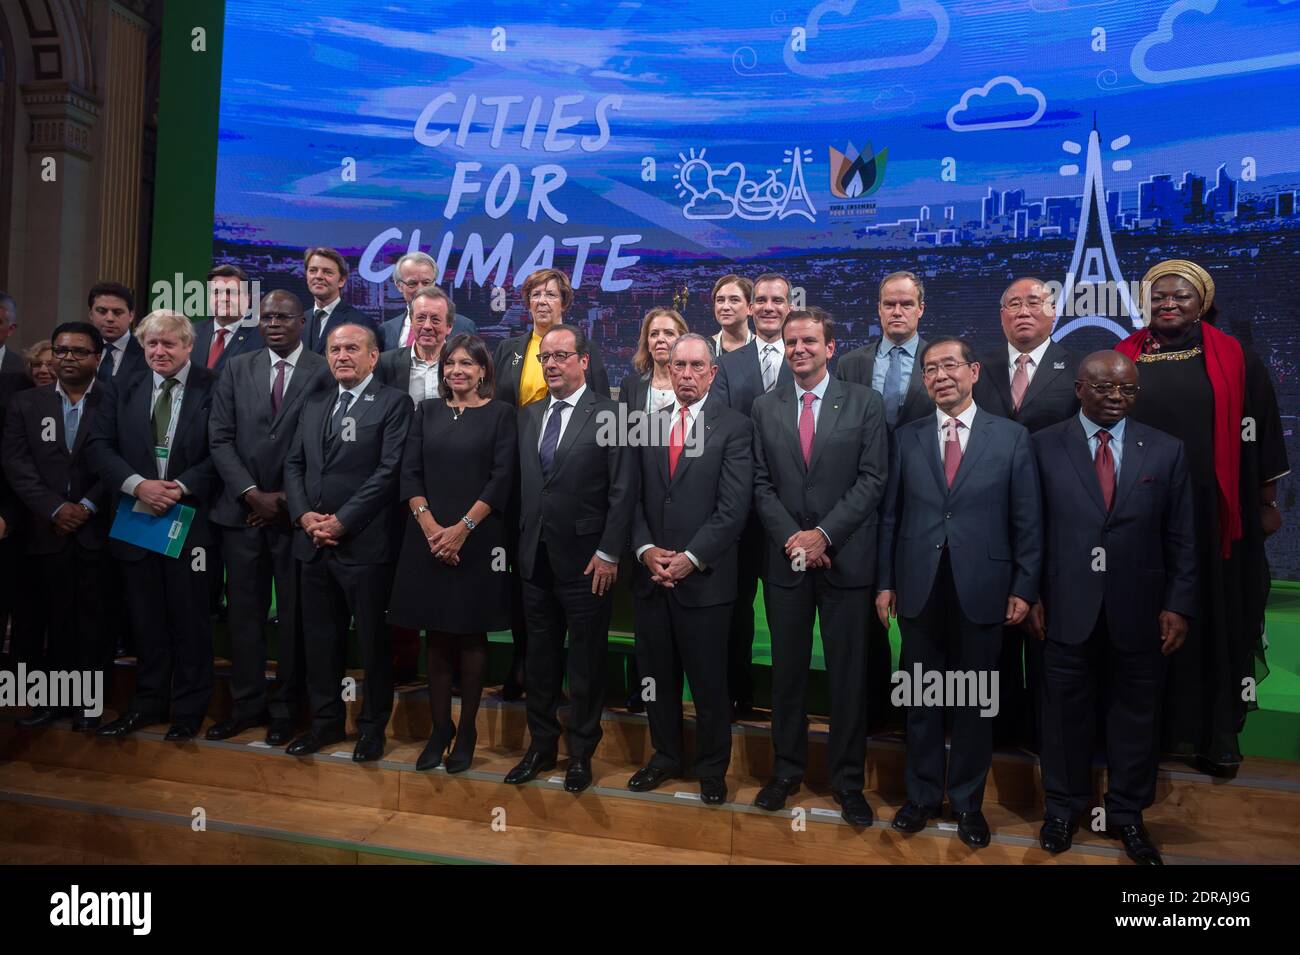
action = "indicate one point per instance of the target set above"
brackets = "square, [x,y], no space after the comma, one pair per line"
[414,272]
[820,455]
[896,377]
[255,407]
[961,546]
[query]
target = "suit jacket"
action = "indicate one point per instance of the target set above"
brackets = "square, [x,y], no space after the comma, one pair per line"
[391,331]
[132,364]
[355,480]
[702,508]
[586,504]
[394,370]
[11,383]
[1049,398]
[740,376]
[859,365]
[121,445]
[13,363]
[1146,539]
[249,444]
[990,519]
[508,365]
[44,474]
[246,338]
[343,313]
[840,492]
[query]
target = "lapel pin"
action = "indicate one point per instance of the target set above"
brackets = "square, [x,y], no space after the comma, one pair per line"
[517,359]
[367,397]
[835,407]
[1139,444]
[1058,366]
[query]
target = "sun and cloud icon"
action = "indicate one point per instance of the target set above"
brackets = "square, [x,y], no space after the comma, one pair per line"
[907,9]
[1164,34]
[1027,108]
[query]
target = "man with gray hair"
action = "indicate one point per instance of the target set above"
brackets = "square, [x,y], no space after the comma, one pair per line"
[693,503]
[10,361]
[415,271]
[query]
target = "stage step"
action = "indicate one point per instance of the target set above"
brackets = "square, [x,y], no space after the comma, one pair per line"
[1196,820]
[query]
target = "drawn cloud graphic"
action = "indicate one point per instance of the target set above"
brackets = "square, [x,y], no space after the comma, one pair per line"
[907,9]
[1164,33]
[1025,93]
[1057,6]
[893,97]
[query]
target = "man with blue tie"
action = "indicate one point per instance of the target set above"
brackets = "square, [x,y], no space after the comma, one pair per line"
[889,367]
[326,272]
[1119,586]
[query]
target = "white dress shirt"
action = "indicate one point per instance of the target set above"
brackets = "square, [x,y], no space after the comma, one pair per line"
[178,396]
[1090,429]
[423,383]
[291,365]
[692,413]
[967,418]
[1035,359]
[119,350]
[566,416]
[329,309]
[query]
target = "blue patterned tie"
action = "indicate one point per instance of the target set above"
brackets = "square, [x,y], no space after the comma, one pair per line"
[893,386]
[551,438]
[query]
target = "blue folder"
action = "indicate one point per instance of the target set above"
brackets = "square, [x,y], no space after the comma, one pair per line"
[161,533]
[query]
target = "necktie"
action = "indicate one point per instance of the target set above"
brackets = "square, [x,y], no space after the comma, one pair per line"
[336,422]
[951,449]
[162,412]
[676,441]
[410,334]
[893,386]
[71,418]
[218,346]
[1020,381]
[768,365]
[1104,461]
[105,372]
[807,427]
[551,438]
[318,330]
[277,387]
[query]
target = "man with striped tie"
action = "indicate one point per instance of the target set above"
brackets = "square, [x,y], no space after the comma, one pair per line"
[960,551]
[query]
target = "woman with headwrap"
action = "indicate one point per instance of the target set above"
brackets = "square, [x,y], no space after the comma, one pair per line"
[1200,385]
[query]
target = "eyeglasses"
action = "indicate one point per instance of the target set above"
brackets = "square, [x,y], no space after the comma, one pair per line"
[286,317]
[1014,305]
[416,283]
[63,351]
[544,293]
[432,321]
[948,367]
[560,356]
[1105,389]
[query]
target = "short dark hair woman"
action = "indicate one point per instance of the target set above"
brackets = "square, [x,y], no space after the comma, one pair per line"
[457,471]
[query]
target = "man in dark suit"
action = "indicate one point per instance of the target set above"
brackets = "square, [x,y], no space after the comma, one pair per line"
[415,271]
[341,480]
[960,553]
[1119,585]
[896,377]
[112,311]
[258,399]
[151,444]
[1030,381]
[69,507]
[578,492]
[414,369]
[743,375]
[327,275]
[820,458]
[693,504]
[230,330]
[13,379]
[11,362]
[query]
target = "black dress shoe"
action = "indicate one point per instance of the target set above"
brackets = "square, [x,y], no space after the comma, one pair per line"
[369,748]
[182,731]
[713,790]
[82,724]
[743,710]
[913,818]
[461,756]
[279,733]
[973,829]
[124,725]
[1137,843]
[513,688]
[224,729]
[313,741]
[434,750]
[535,761]
[1057,835]
[772,797]
[40,716]
[853,807]
[578,777]
[649,777]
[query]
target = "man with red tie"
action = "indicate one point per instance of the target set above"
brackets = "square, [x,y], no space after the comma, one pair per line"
[960,549]
[1119,586]
[229,329]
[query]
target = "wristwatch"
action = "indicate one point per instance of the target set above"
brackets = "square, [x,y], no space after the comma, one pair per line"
[419,510]
[468,523]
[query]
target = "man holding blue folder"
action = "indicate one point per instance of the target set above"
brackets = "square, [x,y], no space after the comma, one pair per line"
[151,444]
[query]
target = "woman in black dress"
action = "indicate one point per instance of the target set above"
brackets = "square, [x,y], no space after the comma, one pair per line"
[457,470]
[1200,385]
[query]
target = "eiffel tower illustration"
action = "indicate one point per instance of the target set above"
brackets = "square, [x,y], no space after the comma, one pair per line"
[1094,262]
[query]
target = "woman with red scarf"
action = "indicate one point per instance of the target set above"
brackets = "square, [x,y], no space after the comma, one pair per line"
[1200,385]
